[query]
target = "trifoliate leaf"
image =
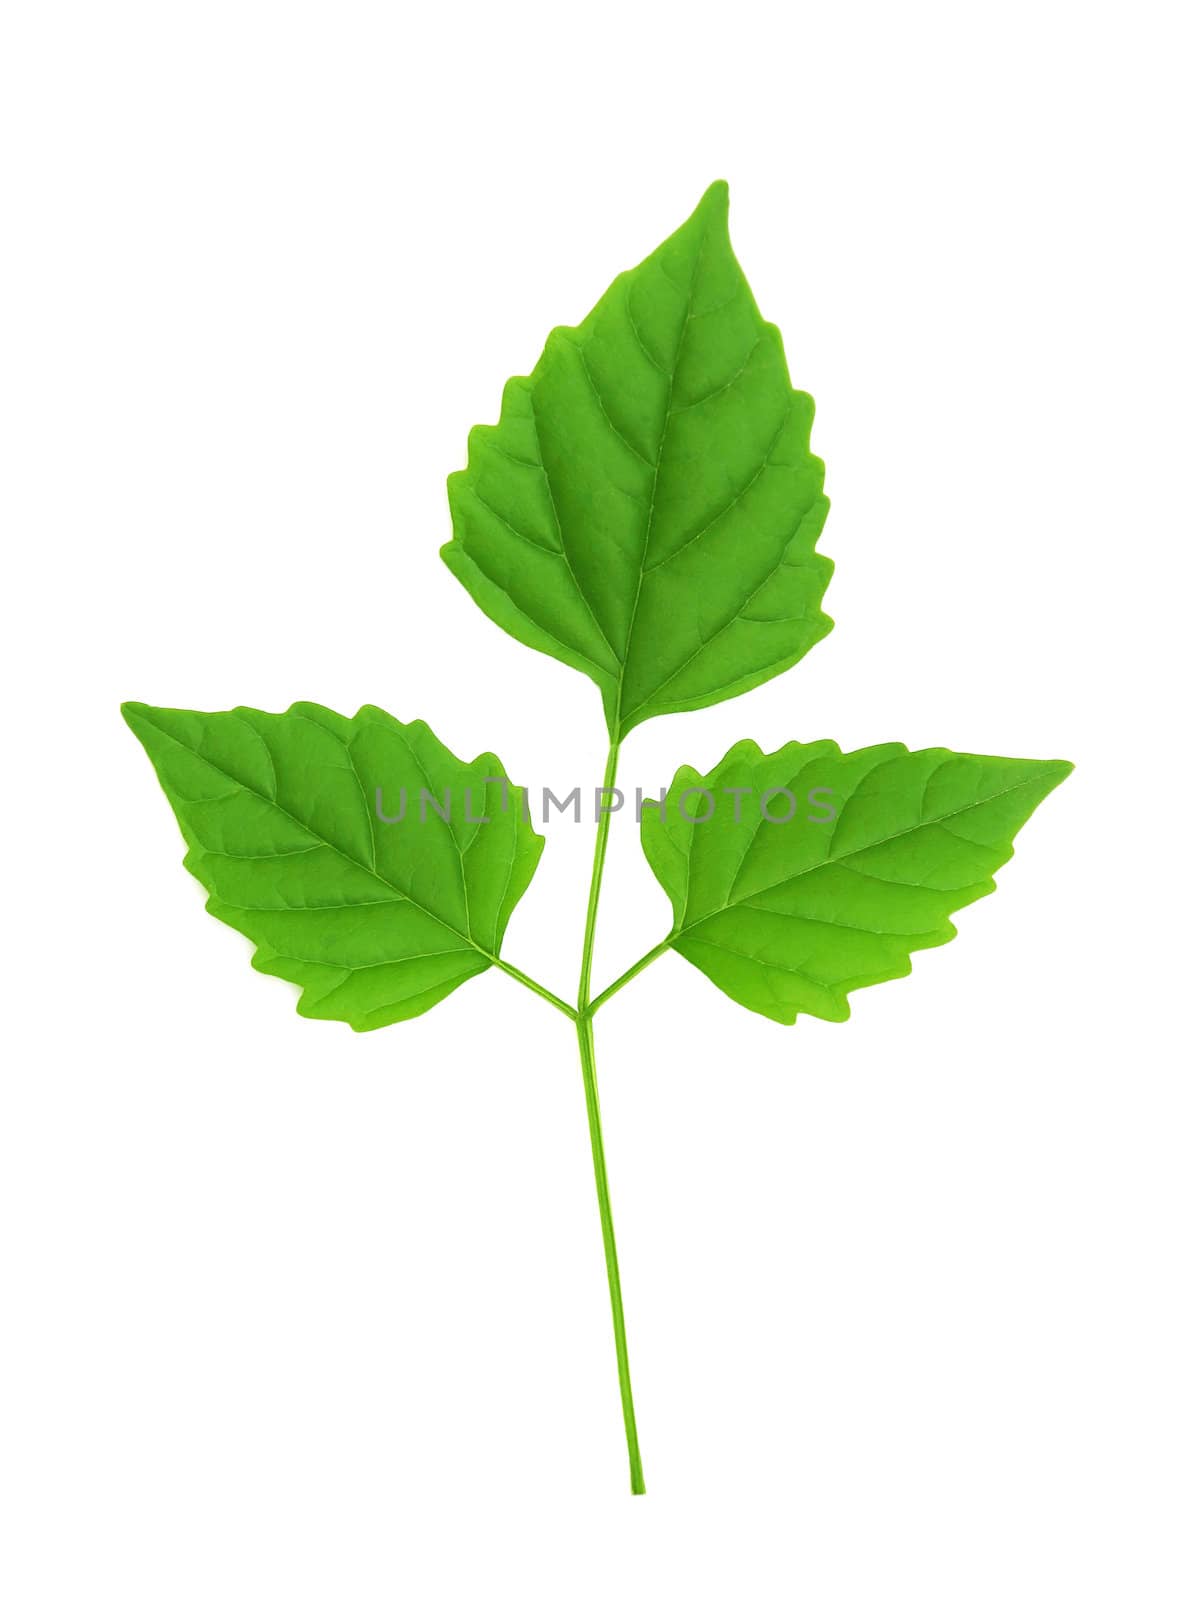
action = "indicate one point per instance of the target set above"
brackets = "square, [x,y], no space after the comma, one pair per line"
[798,876]
[647,506]
[377,920]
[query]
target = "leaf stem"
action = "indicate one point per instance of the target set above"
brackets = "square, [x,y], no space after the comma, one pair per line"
[632,972]
[536,988]
[595,887]
[585,1043]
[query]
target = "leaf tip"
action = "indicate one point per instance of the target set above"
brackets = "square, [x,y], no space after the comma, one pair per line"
[714,204]
[1053,773]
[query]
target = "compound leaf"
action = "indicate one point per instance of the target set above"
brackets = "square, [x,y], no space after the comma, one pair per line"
[646,508]
[376,920]
[818,872]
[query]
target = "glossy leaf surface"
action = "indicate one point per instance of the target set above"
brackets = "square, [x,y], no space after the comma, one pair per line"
[881,845]
[647,506]
[375,920]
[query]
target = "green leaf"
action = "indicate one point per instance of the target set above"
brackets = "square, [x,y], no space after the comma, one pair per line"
[647,506]
[376,920]
[880,846]
[646,510]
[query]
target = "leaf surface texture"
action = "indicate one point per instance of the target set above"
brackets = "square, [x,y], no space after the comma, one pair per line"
[881,845]
[647,506]
[376,921]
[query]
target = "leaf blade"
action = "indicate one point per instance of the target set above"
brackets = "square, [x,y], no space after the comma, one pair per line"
[882,845]
[647,505]
[375,921]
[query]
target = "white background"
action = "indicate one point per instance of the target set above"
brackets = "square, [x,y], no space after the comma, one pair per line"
[914,1303]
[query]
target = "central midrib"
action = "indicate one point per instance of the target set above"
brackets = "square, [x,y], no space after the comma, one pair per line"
[672,376]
